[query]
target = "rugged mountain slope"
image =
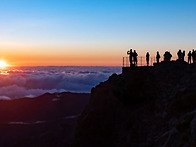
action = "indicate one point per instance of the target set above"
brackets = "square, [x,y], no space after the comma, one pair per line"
[144,107]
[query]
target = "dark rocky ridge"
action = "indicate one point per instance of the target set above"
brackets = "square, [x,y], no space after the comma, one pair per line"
[144,107]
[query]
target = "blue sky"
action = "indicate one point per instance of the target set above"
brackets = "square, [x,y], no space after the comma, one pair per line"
[103,26]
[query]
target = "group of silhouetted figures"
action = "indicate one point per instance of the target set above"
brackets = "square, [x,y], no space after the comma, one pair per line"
[191,55]
[132,57]
[167,57]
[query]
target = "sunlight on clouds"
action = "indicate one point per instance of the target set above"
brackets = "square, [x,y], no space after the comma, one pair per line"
[3,64]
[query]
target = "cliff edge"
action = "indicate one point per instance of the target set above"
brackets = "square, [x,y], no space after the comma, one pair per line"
[147,106]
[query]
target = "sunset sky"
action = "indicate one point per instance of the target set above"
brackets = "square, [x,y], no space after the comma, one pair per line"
[93,32]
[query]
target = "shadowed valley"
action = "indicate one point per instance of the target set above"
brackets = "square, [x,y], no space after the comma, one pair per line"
[48,120]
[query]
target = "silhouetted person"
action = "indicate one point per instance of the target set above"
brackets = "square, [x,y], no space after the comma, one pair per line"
[135,57]
[189,57]
[167,56]
[193,55]
[158,57]
[179,54]
[147,58]
[182,55]
[130,53]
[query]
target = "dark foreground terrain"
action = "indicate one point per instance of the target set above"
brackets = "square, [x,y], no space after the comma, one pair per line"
[46,121]
[146,106]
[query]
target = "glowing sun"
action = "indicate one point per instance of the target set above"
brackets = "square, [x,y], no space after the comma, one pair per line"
[3,64]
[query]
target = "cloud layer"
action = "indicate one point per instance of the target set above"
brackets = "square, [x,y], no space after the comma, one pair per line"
[34,81]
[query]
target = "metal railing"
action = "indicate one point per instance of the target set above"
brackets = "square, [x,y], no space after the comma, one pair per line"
[141,61]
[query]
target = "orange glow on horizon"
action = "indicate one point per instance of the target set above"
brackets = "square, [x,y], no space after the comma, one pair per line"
[32,55]
[63,59]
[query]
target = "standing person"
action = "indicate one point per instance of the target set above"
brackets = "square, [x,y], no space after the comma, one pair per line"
[167,56]
[130,53]
[135,57]
[193,55]
[182,55]
[147,58]
[158,57]
[189,57]
[179,54]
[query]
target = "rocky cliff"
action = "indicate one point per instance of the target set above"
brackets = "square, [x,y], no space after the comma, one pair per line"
[147,106]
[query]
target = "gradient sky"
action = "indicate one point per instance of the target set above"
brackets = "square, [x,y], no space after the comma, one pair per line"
[93,32]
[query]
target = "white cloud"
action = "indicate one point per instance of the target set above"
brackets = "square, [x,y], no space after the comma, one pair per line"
[4,98]
[34,81]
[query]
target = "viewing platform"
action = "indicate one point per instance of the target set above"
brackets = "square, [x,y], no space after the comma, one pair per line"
[142,64]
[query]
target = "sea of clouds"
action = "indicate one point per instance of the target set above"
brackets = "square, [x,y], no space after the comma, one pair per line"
[34,81]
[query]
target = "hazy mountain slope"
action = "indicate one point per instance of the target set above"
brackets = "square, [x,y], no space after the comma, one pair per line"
[48,120]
